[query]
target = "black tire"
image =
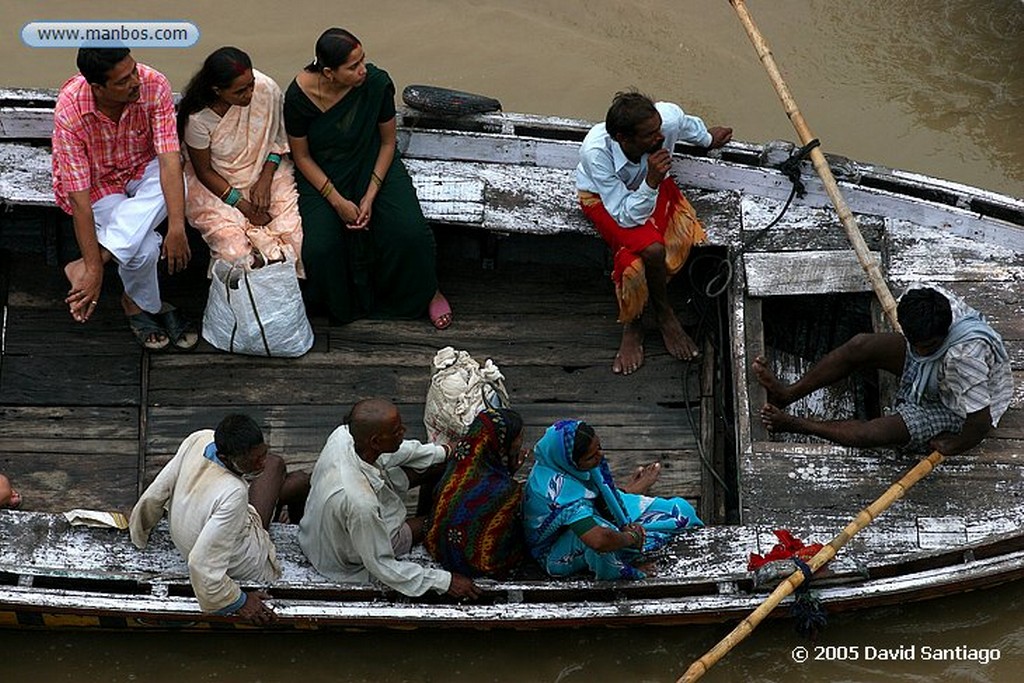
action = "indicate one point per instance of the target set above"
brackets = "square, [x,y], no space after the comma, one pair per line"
[434,100]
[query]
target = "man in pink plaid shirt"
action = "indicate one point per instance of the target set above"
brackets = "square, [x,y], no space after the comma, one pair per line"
[117,171]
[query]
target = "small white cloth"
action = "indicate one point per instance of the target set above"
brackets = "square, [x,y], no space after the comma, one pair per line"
[96,518]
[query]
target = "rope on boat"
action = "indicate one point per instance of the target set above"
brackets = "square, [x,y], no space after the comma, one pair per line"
[790,168]
[810,615]
[719,283]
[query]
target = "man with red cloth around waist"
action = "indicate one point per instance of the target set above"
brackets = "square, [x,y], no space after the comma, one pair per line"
[626,192]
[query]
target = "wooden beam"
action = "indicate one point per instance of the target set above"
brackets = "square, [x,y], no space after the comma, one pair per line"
[804,272]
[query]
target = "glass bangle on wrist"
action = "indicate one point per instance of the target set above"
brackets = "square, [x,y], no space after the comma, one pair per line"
[233,197]
[274,159]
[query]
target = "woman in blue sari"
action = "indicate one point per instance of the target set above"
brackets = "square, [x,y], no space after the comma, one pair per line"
[577,519]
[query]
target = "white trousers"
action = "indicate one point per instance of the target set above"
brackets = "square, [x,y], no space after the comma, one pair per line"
[126,227]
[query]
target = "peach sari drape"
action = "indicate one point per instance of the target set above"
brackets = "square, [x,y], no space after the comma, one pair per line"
[239,147]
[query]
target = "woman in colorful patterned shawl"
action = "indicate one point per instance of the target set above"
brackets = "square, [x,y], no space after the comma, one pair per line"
[577,519]
[230,121]
[367,248]
[477,526]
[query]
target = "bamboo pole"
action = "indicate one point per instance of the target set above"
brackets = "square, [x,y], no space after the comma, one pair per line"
[863,519]
[820,165]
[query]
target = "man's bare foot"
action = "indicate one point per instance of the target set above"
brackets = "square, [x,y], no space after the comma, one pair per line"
[778,421]
[631,351]
[677,342]
[778,394]
[79,308]
[129,306]
[643,479]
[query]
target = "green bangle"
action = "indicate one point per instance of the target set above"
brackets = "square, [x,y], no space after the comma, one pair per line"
[234,196]
[274,158]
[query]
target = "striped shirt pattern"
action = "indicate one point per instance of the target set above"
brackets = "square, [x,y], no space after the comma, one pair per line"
[971,379]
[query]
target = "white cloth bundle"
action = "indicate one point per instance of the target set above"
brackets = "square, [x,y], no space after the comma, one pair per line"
[459,389]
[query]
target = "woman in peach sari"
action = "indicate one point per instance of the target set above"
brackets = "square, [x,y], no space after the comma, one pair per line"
[240,183]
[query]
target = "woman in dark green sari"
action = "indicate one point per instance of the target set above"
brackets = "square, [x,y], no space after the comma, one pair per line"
[367,248]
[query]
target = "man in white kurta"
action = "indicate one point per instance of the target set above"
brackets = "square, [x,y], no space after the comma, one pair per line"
[355,508]
[355,522]
[212,524]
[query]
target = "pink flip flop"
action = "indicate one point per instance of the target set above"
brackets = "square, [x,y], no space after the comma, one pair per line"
[440,312]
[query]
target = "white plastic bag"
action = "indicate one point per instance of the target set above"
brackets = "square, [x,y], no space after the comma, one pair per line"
[459,389]
[257,312]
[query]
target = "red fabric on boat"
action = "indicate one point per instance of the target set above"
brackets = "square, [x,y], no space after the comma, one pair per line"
[788,547]
[674,224]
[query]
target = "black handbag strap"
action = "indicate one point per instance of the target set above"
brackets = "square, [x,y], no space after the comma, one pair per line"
[255,311]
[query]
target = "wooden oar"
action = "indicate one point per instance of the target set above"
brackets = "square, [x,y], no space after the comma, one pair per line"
[820,165]
[866,516]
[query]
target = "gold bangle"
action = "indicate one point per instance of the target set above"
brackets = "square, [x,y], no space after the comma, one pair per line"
[376,178]
[327,189]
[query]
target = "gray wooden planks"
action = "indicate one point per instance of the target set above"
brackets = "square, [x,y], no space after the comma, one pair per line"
[71,456]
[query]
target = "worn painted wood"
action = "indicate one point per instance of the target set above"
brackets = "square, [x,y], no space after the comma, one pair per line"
[182,381]
[940,257]
[25,175]
[57,454]
[802,228]
[554,337]
[519,146]
[704,583]
[804,272]
[25,123]
[447,199]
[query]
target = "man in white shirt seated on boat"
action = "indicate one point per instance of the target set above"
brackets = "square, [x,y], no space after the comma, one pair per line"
[955,380]
[10,499]
[355,525]
[627,193]
[220,491]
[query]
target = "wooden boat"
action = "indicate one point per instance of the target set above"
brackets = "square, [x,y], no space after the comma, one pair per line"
[87,419]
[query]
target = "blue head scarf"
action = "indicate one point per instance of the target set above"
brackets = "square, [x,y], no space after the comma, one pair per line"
[558,493]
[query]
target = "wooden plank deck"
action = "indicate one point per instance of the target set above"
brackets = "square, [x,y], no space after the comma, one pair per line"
[87,418]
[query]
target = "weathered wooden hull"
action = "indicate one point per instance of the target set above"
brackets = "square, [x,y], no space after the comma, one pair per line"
[513,174]
[95,579]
